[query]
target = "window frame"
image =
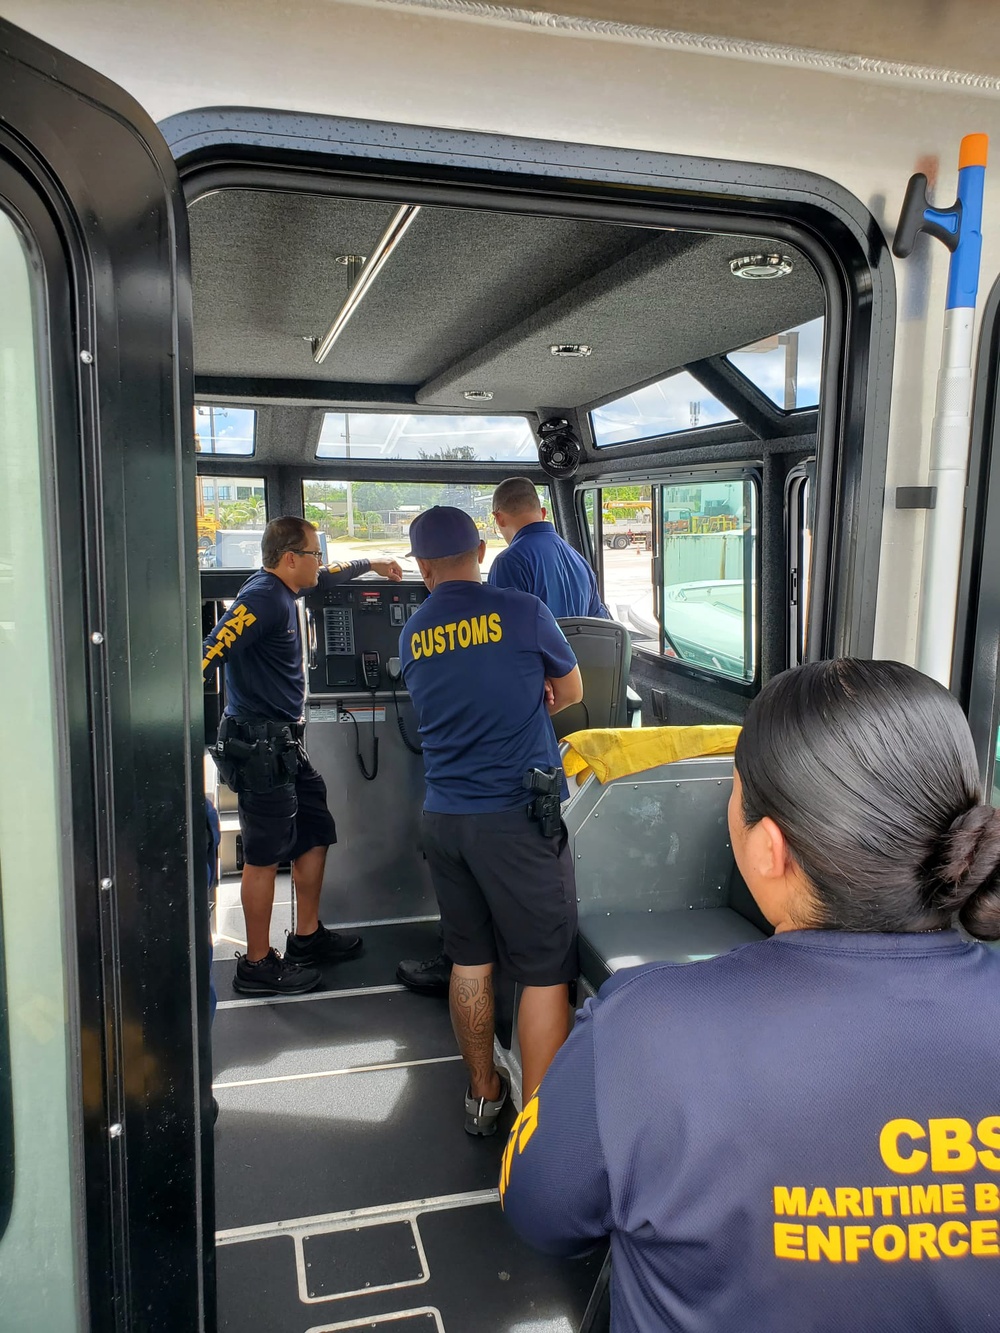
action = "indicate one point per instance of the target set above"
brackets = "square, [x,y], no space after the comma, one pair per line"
[388,460]
[785,413]
[222,407]
[687,432]
[657,481]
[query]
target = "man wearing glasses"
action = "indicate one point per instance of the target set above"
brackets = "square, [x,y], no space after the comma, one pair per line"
[282,799]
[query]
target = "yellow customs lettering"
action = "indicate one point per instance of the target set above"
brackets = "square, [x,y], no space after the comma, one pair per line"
[856,1239]
[923,1236]
[427,641]
[479,631]
[953,1239]
[889,1147]
[495,627]
[988,1133]
[415,651]
[788,1240]
[823,1245]
[849,1203]
[464,634]
[951,1145]
[925,1199]
[821,1205]
[790,1202]
[438,639]
[450,631]
[952,1197]
[984,1237]
[889,1243]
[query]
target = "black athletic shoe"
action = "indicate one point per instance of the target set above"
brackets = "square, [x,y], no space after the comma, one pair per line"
[428,978]
[481,1115]
[323,946]
[273,975]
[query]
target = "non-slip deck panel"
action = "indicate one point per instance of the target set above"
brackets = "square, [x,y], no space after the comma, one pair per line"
[322,1145]
[481,1278]
[385,946]
[328,1032]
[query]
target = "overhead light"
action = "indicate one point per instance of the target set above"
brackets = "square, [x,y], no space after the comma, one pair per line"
[571,349]
[759,267]
[392,236]
[478,395]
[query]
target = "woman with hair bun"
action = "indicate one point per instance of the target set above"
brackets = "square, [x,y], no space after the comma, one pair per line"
[802,1135]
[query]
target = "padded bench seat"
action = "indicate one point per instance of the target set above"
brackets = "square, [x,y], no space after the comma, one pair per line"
[687,935]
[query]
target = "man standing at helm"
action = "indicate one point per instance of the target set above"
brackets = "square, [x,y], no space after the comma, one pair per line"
[485,667]
[260,755]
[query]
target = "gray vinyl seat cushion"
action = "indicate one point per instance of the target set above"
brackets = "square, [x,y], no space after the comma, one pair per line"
[688,935]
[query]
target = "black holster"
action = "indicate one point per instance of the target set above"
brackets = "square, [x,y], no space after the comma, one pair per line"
[258,756]
[546,806]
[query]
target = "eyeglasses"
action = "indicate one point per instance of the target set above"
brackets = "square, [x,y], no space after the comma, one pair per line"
[317,555]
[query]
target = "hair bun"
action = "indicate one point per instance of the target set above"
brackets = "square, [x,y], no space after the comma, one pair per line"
[963,844]
[969,868]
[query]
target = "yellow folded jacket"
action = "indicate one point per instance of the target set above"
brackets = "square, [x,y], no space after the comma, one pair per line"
[615,752]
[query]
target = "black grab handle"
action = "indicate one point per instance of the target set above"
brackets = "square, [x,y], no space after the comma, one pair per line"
[917,215]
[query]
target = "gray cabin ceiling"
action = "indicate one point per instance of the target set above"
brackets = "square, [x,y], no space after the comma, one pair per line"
[472,300]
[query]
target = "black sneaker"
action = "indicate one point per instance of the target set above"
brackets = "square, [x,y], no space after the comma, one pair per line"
[273,975]
[323,946]
[481,1115]
[428,978]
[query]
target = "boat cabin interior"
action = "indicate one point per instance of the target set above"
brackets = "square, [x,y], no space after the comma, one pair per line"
[356,360]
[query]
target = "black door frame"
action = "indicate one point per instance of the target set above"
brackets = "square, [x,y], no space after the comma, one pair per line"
[89,176]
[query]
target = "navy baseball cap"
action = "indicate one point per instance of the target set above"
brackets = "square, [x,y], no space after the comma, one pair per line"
[442,531]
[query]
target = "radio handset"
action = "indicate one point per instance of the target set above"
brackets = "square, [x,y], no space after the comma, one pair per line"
[371,671]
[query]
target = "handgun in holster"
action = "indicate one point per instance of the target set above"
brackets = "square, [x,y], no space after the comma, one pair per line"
[265,756]
[546,783]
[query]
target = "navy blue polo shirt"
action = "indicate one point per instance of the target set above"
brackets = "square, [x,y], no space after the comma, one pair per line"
[475,661]
[540,562]
[801,1134]
[259,643]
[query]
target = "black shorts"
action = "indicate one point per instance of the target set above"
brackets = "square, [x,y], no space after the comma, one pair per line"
[507,895]
[280,825]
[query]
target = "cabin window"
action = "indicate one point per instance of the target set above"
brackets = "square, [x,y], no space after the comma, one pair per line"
[678,567]
[224,430]
[707,593]
[676,403]
[466,439]
[231,516]
[372,518]
[786,366]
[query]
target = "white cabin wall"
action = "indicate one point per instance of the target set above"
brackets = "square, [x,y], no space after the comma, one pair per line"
[366,59]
